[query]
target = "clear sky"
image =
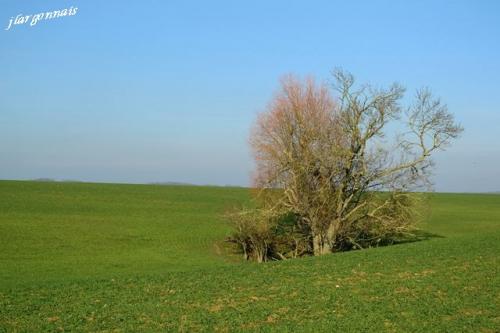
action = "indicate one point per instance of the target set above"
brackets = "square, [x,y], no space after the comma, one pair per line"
[144,91]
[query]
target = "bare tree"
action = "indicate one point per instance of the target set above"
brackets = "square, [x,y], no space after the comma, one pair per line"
[326,161]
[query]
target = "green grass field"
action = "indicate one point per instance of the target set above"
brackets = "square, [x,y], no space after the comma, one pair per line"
[139,258]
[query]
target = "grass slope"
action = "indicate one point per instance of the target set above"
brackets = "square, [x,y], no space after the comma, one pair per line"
[107,257]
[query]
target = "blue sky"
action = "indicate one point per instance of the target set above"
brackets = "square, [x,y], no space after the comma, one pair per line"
[144,91]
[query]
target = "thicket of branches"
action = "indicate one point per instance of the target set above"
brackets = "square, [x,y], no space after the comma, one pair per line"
[327,176]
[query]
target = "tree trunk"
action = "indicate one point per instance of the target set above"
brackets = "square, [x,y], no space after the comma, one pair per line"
[245,253]
[260,254]
[317,244]
[323,241]
[321,245]
[331,234]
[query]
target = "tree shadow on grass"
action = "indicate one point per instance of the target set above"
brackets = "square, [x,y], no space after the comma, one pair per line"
[416,236]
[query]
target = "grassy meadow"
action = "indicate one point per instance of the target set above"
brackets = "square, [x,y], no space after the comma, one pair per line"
[141,258]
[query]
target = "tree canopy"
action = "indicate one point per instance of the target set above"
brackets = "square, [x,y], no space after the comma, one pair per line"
[328,177]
